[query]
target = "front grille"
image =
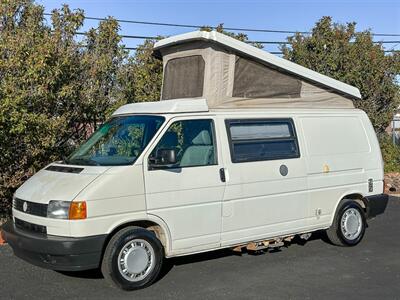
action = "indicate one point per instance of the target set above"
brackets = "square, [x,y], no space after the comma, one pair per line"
[26,226]
[32,208]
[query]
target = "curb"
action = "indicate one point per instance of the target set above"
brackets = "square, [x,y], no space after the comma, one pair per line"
[394,195]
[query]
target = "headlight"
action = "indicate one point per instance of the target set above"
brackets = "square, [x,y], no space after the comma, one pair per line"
[58,209]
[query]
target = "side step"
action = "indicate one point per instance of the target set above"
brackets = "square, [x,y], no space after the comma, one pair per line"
[267,244]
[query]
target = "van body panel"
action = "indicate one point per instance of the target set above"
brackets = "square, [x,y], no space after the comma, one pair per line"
[112,199]
[123,184]
[258,200]
[202,208]
[341,158]
[104,224]
[51,185]
[188,199]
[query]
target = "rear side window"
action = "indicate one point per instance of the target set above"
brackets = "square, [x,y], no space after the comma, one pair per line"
[261,139]
[183,78]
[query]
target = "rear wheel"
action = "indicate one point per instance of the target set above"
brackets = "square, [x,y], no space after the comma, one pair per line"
[348,226]
[133,258]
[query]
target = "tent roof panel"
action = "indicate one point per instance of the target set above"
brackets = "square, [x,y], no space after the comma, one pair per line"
[259,54]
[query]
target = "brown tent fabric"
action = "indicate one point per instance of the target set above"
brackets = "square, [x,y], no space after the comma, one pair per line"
[254,80]
[229,80]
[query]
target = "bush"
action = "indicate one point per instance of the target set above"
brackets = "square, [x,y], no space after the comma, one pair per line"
[53,87]
[390,154]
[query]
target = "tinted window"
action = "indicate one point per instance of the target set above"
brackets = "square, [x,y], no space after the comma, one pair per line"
[253,140]
[193,141]
[183,78]
[260,131]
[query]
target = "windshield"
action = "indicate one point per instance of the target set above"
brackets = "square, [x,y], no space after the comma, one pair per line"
[120,141]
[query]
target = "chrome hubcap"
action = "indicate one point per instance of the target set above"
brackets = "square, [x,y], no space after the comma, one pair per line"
[136,260]
[351,224]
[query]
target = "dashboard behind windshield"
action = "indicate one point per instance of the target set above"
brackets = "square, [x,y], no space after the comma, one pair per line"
[120,141]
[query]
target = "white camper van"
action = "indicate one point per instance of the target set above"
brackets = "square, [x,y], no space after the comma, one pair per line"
[244,150]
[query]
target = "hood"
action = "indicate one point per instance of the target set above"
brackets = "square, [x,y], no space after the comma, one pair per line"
[58,182]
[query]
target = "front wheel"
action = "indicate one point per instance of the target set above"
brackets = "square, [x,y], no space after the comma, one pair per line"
[348,226]
[133,258]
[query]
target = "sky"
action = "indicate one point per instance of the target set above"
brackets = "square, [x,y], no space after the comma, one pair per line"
[379,16]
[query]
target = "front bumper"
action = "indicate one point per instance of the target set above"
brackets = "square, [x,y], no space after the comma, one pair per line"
[376,205]
[54,252]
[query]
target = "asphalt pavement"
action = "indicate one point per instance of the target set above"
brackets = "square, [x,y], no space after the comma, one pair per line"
[314,270]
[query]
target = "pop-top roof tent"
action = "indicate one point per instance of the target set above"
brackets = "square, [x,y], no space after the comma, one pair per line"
[232,74]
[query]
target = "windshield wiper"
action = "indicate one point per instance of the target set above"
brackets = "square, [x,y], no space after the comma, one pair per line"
[87,161]
[64,159]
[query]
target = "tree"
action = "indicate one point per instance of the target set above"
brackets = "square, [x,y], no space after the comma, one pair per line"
[146,72]
[52,87]
[340,52]
[239,36]
[102,60]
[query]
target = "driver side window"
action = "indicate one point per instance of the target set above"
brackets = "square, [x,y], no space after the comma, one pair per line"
[193,142]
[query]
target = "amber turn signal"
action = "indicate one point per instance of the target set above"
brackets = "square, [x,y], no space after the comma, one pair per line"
[77,210]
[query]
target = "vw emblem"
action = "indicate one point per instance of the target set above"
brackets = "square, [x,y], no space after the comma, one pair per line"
[25,206]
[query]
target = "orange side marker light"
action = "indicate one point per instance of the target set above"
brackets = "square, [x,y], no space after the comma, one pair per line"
[77,210]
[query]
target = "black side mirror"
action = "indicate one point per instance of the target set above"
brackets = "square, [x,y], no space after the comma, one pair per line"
[164,158]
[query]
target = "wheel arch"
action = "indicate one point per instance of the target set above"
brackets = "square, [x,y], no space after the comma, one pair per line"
[356,196]
[151,223]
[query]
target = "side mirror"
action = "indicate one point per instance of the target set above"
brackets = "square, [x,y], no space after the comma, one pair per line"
[164,158]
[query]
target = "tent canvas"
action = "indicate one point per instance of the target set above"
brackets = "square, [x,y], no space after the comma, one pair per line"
[232,74]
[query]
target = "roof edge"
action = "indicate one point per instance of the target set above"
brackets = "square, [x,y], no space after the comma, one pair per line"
[164,107]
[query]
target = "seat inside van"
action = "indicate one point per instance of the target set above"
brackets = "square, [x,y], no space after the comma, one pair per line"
[200,152]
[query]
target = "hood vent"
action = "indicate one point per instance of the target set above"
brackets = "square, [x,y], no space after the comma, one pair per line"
[64,169]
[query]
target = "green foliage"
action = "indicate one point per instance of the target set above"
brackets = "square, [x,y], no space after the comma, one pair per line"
[352,57]
[390,153]
[101,62]
[52,87]
[239,36]
[147,73]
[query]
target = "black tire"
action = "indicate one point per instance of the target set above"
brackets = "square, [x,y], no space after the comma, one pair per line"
[336,233]
[110,267]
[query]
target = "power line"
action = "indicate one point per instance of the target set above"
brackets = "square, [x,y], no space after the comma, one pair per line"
[128,36]
[387,42]
[213,27]
[392,49]
[268,43]
[272,52]
[190,26]
[249,42]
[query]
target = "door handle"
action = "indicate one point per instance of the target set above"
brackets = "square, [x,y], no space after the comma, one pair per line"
[222,174]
